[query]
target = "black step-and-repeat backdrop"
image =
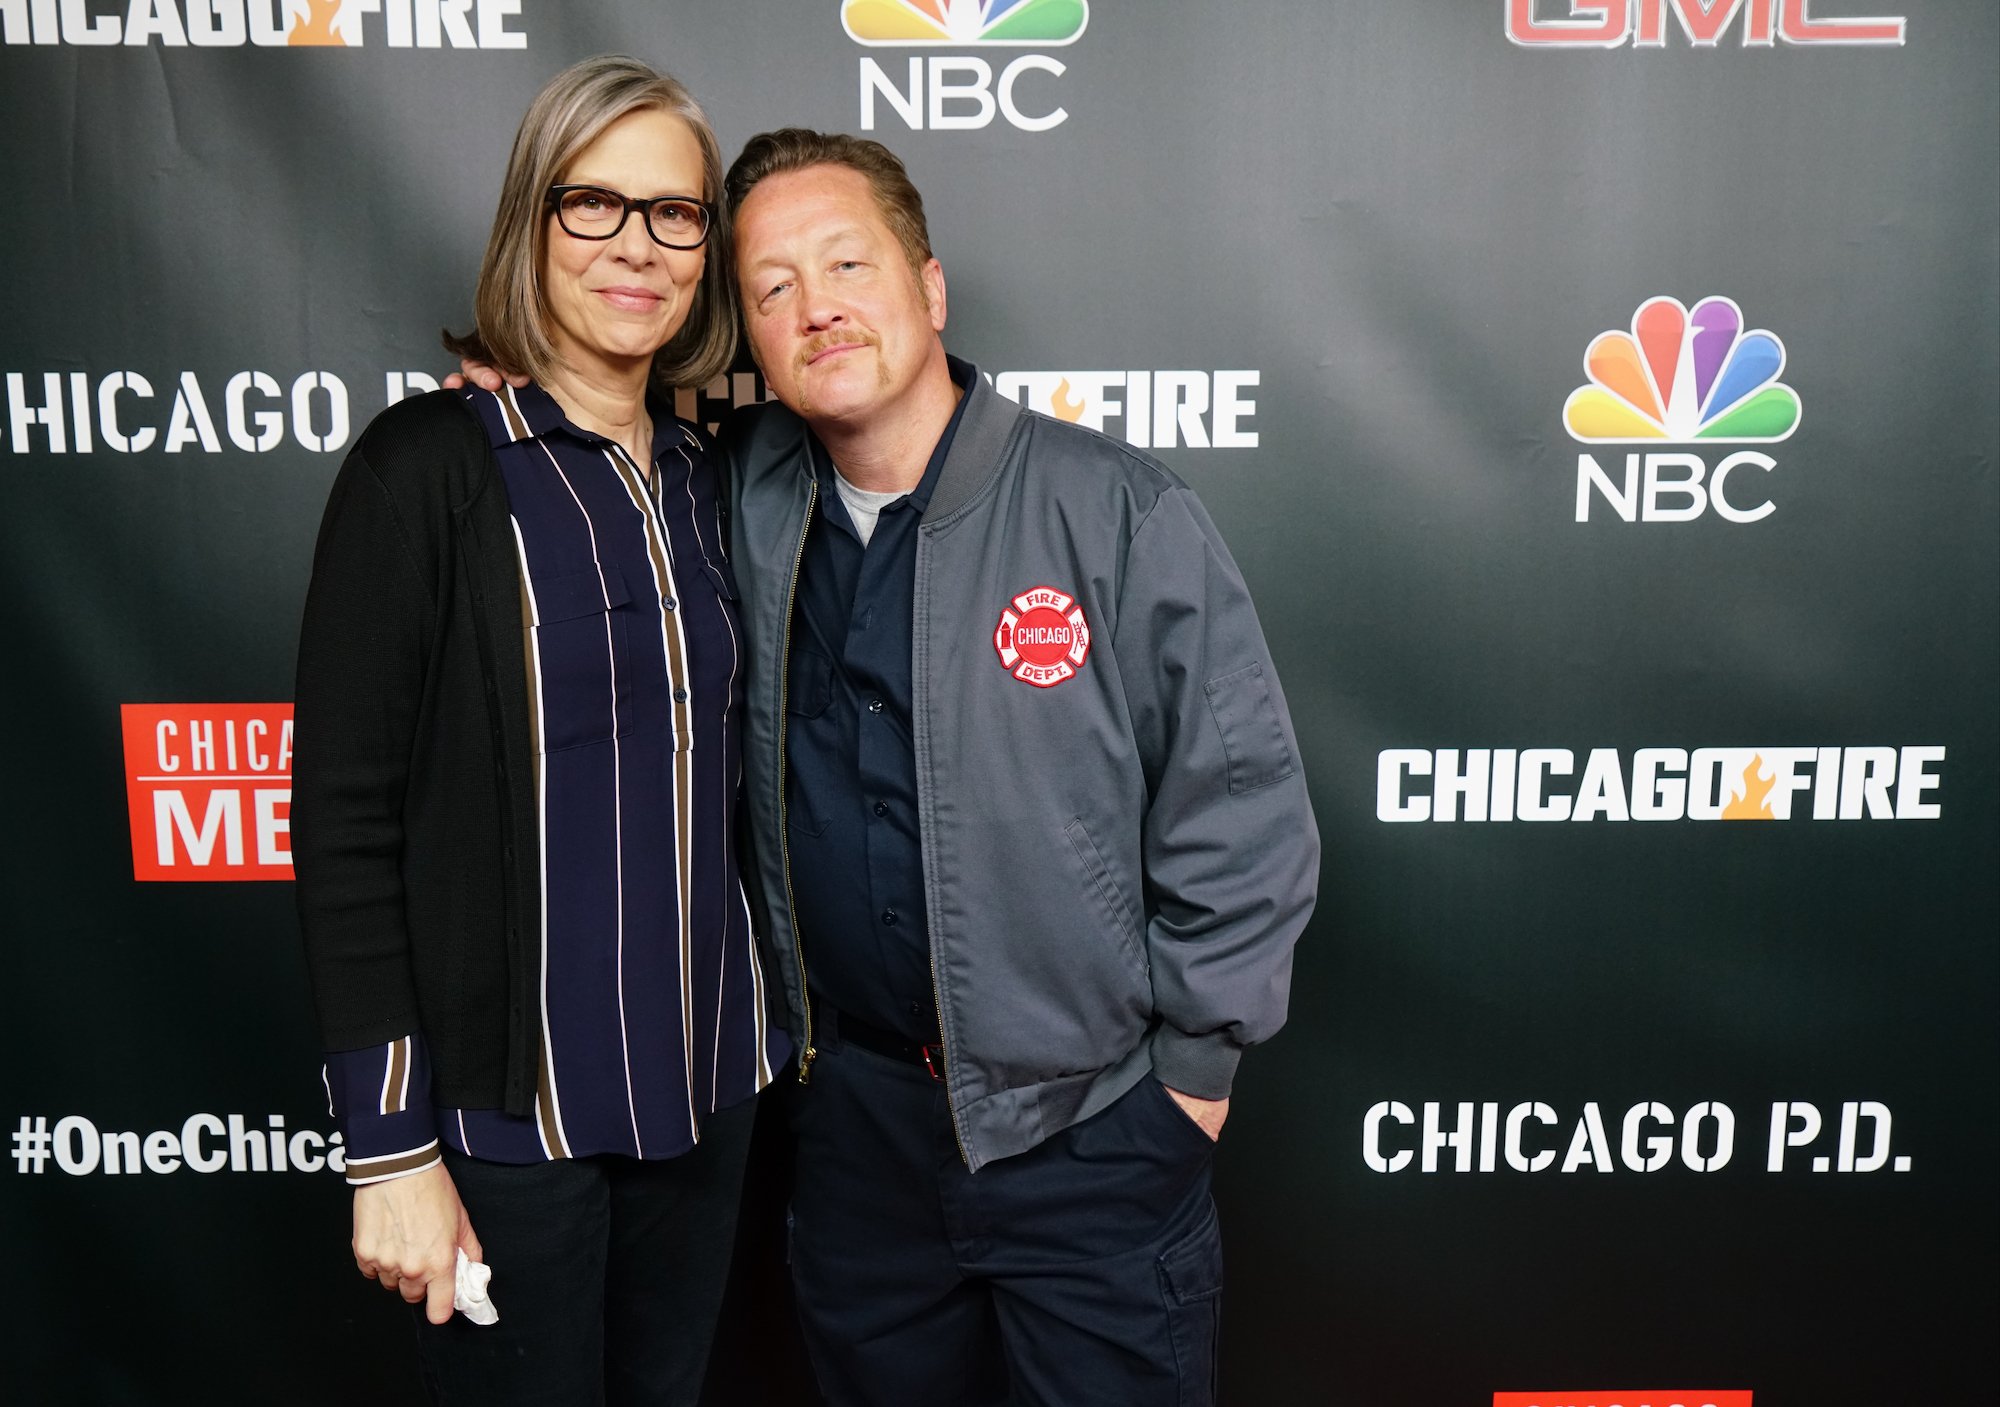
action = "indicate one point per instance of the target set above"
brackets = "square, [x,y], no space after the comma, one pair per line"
[1600,399]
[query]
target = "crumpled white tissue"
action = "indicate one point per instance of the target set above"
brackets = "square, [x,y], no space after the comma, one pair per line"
[468,1294]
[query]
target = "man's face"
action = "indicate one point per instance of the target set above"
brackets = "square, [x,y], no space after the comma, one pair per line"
[841,326]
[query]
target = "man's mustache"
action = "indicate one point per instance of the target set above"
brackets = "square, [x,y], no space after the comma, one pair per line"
[825,341]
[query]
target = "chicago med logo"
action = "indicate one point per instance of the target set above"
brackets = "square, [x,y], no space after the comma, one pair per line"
[224,24]
[209,788]
[1606,24]
[1688,377]
[959,92]
[1042,638]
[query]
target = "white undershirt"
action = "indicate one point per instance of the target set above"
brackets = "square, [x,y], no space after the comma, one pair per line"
[863,505]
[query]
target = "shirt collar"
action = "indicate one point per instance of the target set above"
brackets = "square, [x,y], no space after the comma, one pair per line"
[511,414]
[528,412]
[919,497]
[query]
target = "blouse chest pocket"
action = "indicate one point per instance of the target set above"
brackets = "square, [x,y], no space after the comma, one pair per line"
[721,576]
[577,691]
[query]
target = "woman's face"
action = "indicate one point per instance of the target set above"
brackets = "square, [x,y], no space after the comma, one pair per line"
[614,302]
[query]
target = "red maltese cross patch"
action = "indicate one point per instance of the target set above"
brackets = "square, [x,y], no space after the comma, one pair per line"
[1042,638]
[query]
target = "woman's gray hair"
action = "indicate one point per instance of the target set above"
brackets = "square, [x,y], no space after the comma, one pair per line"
[510,311]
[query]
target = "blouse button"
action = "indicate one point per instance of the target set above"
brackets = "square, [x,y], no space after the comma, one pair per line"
[667,601]
[680,696]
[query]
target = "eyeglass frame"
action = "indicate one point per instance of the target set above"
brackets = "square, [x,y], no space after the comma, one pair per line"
[553,199]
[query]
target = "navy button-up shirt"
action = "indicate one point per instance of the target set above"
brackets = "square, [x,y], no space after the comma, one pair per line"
[850,760]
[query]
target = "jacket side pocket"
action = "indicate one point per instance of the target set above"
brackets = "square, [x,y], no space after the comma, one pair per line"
[1116,913]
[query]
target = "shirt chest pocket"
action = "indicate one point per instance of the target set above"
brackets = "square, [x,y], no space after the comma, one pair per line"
[578,658]
[813,754]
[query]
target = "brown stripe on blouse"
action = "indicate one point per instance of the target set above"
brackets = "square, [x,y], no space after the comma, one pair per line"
[546,1117]
[665,585]
[548,1121]
[396,1164]
[516,426]
[395,1085]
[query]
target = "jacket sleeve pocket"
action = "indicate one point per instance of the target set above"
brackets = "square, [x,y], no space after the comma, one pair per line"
[1253,741]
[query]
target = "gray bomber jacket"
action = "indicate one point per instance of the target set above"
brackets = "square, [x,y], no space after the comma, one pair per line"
[1115,866]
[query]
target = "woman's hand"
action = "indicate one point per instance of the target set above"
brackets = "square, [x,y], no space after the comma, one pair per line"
[407,1234]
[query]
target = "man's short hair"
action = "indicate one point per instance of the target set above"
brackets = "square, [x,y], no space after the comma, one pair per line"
[799,148]
[510,308]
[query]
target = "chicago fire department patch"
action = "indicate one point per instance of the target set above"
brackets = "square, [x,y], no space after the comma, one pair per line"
[1042,638]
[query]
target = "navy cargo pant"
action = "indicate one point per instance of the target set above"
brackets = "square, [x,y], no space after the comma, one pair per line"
[1085,1271]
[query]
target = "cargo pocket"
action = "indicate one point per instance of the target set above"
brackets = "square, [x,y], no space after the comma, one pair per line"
[1253,741]
[576,643]
[1191,1281]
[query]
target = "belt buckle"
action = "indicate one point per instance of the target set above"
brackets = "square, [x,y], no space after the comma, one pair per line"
[934,1067]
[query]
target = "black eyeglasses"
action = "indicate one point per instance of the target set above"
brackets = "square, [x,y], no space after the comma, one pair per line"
[593,212]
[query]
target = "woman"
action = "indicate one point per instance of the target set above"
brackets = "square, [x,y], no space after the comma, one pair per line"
[518,707]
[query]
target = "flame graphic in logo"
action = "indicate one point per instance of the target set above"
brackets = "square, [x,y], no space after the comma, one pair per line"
[1066,403]
[1043,23]
[1753,804]
[316,26]
[1683,376]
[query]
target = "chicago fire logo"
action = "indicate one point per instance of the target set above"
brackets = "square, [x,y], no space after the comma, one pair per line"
[1042,638]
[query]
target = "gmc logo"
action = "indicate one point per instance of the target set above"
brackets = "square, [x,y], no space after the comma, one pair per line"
[1606,24]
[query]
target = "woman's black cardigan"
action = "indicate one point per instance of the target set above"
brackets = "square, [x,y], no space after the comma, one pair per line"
[414,832]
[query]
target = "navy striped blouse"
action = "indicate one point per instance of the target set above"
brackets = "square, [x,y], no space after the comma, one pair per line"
[653,1011]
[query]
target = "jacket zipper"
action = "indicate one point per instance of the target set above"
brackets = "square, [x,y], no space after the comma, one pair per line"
[937,998]
[807,1055]
[937,991]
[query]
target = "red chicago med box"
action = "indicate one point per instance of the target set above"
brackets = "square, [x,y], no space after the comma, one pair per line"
[209,787]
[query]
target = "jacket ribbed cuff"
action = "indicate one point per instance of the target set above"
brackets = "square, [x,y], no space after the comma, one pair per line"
[1203,1066]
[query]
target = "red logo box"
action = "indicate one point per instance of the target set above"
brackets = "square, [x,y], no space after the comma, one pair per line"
[209,787]
[1647,1397]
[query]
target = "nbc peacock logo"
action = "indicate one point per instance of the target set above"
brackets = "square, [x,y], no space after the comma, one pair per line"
[1692,377]
[1680,375]
[960,23]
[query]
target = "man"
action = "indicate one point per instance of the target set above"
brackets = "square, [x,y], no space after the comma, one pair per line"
[1032,842]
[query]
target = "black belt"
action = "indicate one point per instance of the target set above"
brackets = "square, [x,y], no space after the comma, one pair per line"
[852,1030]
